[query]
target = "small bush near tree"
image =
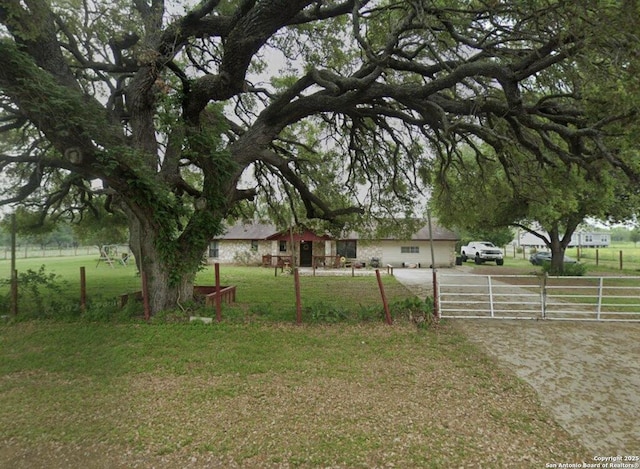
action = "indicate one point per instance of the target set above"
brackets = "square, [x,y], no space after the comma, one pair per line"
[414,309]
[569,270]
[325,312]
[41,294]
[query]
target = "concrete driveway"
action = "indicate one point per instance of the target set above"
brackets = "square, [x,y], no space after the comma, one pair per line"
[418,281]
[587,374]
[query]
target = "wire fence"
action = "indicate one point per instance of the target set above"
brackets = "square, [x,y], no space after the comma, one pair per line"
[33,251]
[622,259]
[614,258]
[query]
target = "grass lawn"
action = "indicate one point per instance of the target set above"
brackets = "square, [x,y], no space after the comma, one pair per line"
[605,260]
[103,282]
[258,391]
[264,395]
[260,294]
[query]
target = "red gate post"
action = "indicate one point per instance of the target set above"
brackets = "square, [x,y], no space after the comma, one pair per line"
[296,281]
[145,297]
[14,292]
[216,267]
[83,290]
[385,304]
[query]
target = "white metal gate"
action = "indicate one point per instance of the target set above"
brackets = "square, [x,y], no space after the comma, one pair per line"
[538,297]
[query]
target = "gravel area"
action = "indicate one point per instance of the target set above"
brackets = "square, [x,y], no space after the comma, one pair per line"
[587,374]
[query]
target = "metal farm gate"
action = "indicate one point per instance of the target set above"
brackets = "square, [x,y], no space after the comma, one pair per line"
[538,297]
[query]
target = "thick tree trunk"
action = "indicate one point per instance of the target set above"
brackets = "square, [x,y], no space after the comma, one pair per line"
[557,259]
[170,275]
[558,249]
[165,292]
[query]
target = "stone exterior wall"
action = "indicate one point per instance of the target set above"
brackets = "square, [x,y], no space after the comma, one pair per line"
[240,252]
[365,250]
[387,251]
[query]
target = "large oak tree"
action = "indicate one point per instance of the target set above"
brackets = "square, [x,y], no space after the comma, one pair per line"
[188,113]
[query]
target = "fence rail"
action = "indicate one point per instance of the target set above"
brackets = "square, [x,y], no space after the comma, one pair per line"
[611,257]
[24,252]
[539,297]
[592,298]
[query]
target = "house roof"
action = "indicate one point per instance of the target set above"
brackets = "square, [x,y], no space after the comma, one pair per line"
[306,235]
[439,234]
[249,231]
[265,231]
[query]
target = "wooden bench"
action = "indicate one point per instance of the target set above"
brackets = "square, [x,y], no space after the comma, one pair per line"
[227,295]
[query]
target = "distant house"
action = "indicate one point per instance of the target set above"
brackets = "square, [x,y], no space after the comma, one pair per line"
[583,239]
[263,244]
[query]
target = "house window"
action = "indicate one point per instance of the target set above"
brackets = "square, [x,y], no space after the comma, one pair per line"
[254,245]
[214,250]
[346,249]
[410,249]
[283,246]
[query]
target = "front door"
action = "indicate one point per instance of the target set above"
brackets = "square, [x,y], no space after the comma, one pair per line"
[306,254]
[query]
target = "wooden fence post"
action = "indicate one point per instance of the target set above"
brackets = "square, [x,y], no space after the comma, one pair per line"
[14,292]
[385,304]
[296,281]
[83,290]
[216,268]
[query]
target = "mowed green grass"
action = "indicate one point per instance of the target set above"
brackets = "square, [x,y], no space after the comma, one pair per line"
[601,260]
[610,257]
[259,290]
[102,281]
[260,393]
[264,395]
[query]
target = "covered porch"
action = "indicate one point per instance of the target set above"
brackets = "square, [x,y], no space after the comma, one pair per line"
[298,248]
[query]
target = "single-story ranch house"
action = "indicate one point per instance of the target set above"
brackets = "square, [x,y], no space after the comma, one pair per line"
[263,244]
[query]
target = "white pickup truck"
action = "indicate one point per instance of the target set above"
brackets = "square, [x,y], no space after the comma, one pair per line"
[482,251]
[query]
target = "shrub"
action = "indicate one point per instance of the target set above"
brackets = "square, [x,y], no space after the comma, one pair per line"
[324,312]
[40,294]
[369,313]
[569,270]
[414,310]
